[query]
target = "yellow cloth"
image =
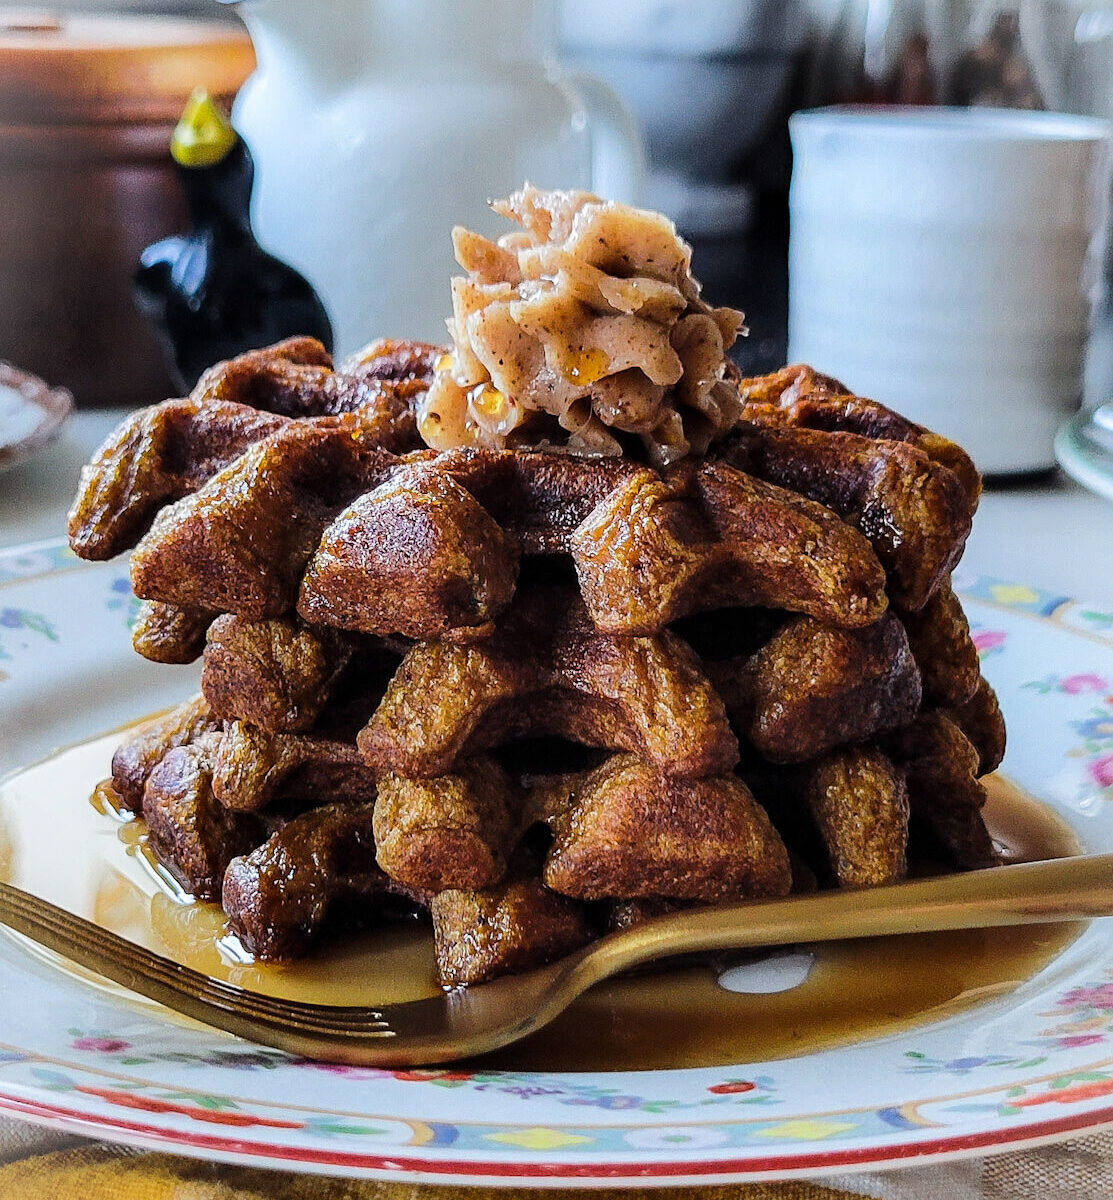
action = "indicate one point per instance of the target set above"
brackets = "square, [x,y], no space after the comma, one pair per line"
[101,1173]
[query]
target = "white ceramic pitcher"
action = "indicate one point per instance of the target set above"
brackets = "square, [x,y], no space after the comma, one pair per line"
[377,125]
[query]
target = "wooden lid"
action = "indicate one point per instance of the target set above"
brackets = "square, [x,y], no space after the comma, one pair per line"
[110,68]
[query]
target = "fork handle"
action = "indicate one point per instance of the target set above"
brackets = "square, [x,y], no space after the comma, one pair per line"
[1067,889]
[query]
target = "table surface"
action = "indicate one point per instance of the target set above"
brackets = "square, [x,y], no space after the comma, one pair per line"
[1050,533]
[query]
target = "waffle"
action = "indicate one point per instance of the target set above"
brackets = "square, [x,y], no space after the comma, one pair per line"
[812,687]
[314,518]
[981,723]
[515,926]
[134,761]
[547,671]
[939,636]
[317,872]
[301,719]
[802,397]
[276,674]
[624,832]
[457,831]
[455,845]
[166,633]
[160,454]
[941,769]
[342,519]
[446,818]
[192,832]
[912,493]
[637,635]
[858,800]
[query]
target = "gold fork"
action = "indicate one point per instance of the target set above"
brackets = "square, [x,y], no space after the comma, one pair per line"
[458,1024]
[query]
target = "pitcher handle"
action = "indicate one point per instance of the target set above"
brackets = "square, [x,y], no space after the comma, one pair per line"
[617,150]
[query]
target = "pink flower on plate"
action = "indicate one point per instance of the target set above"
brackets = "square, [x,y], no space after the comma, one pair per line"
[1101,770]
[1075,685]
[1099,996]
[989,639]
[104,1045]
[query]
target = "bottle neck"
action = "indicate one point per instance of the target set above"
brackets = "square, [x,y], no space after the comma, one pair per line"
[218,198]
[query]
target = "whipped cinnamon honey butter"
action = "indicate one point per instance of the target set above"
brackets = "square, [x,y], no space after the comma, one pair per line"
[582,329]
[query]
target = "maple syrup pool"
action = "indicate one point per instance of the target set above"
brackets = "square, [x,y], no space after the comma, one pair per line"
[87,859]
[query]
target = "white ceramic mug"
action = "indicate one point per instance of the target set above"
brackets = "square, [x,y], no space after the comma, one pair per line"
[944,262]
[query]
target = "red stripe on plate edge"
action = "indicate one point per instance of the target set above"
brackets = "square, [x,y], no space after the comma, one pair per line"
[517,1170]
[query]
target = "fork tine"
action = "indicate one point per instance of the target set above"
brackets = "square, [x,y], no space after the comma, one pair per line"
[133,966]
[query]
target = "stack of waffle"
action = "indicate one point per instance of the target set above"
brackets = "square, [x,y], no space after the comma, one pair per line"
[536,695]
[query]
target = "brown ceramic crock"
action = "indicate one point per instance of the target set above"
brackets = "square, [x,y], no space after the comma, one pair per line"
[87,107]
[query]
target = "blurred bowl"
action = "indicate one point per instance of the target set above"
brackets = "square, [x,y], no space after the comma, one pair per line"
[31,414]
[703,77]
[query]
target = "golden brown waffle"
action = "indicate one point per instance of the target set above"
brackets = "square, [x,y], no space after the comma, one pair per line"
[453,832]
[547,671]
[812,687]
[326,497]
[515,926]
[386,631]
[317,872]
[625,832]
[911,492]
[276,674]
[800,396]
[160,454]
[253,768]
[941,767]
[944,651]
[983,725]
[138,756]
[192,832]
[318,501]
[858,799]
[451,836]
[166,633]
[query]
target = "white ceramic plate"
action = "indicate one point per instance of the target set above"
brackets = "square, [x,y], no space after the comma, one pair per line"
[1033,1065]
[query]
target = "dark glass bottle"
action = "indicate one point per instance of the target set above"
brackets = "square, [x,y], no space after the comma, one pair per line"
[215,292]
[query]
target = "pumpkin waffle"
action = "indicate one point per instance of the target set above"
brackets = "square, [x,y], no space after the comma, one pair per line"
[944,650]
[512,927]
[165,633]
[277,732]
[160,454]
[315,518]
[983,726]
[639,634]
[858,800]
[193,834]
[281,674]
[941,768]
[812,687]
[342,518]
[456,844]
[547,671]
[316,872]
[911,492]
[852,813]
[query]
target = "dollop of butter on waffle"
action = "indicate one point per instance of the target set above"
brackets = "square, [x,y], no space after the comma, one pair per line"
[583,330]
